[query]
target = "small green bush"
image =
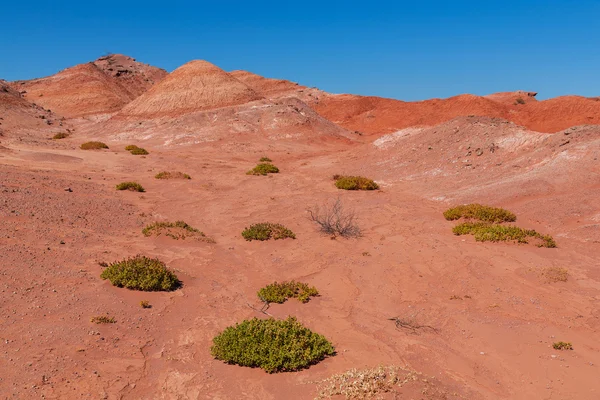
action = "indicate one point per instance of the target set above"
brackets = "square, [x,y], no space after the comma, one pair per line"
[354,183]
[280,292]
[175,230]
[141,273]
[139,152]
[172,175]
[265,159]
[484,232]
[131,147]
[93,146]
[60,135]
[562,346]
[271,344]
[266,231]
[263,169]
[132,186]
[479,212]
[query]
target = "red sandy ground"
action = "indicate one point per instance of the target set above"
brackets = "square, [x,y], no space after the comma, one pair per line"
[495,343]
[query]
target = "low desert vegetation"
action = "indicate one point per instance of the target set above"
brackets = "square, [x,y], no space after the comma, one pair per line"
[141,273]
[484,232]
[369,383]
[60,135]
[333,219]
[266,231]
[562,346]
[265,159]
[354,183]
[519,100]
[172,175]
[271,344]
[480,213]
[103,319]
[176,230]
[280,292]
[555,274]
[263,169]
[131,186]
[136,151]
[145,304]
[93,146]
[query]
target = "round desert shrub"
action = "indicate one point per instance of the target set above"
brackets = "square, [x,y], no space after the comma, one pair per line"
[280,292]
[271,344]
[93,146]
[266,231]
[265,159]
[479,212]
[132,186]
[485,232]
[131,147]
[172,175]
[355,183]
[263,169]
[60,135]
[139,152]
[141,273]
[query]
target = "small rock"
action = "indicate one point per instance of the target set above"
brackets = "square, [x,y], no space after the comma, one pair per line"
[68,189]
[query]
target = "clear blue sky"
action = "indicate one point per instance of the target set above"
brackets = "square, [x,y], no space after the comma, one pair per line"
[408,50]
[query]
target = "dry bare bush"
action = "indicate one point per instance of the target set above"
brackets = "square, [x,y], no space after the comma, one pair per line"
[411,324]
[334,219]
[555,274]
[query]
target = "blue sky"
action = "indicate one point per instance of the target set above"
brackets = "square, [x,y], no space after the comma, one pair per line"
[409,50]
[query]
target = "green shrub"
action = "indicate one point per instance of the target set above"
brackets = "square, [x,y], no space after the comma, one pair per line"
[280,292]
[484,232]
[132,186]
[141,273]
[271,344]
[266,231]
[60,135]
[265,159]
[103,319]
[175,230]
[93,146]
[562,346]
[263,169]
[479,212]
[131,147]
[139,152]
[354,183]
[172,175]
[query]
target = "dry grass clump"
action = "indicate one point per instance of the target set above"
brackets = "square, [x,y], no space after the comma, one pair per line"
[280,292]
[131,186]
[172,175]
[263,169]
[265,159]
[335,220]
[93,146]
[484,232]
[271,344]
[176,230]
[562,346]
[60,135]
[103,319]
[266,231]
[555,274]
[480,212]
[141,273]
[145,304]
[370,383]
[354,183]
[136,151]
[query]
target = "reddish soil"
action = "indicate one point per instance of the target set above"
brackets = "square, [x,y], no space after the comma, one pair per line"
[495,313]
